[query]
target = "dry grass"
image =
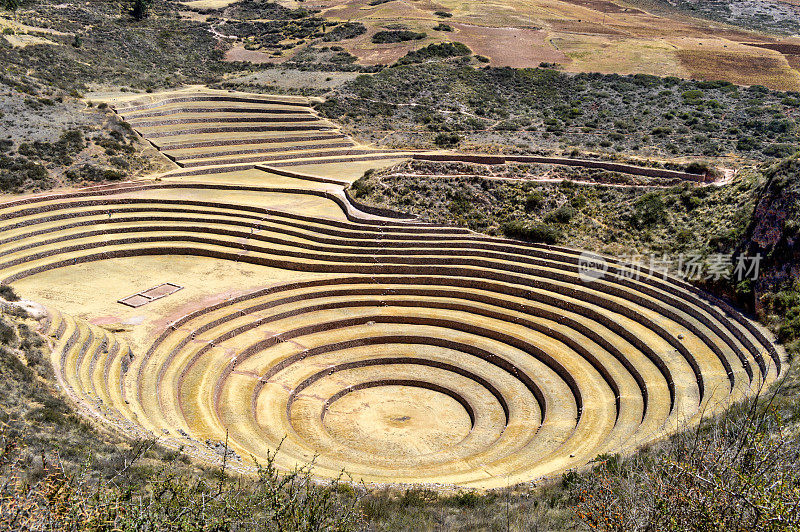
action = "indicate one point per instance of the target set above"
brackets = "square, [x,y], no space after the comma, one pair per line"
[583,35]
[740,472]
[621,56]
[770,71]
[514,47]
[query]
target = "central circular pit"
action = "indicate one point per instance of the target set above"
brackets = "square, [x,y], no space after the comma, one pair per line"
[398,421]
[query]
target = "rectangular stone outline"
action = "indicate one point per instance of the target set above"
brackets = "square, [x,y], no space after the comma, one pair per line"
[141,298]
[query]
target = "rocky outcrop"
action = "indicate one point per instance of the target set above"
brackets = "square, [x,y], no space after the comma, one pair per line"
[774,227]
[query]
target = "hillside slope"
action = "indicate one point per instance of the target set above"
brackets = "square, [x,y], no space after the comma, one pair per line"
[773,230]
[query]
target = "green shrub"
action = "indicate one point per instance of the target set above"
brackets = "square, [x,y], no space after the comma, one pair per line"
[377,508]
[164,498]
[661,131]
[30,340]
[447,140]
[534,201]
[531,232]
[7,293]
[393,36]
[8,332]
[648,210]
[362,187]
[578,202]
[780,150]
[346,30]
[18,174]
[418,497]
[437,51]
[60,152]
[708,478]
[748,143]
[562,215]
[692,95]
[141,9]
[790,329]
[469,499]
[700,168]
[690,201]
[90,172]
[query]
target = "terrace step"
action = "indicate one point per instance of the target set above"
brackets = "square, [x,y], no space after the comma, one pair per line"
[234,150]
[282,156]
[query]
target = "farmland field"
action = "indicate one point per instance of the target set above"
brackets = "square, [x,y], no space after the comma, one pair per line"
[582,36]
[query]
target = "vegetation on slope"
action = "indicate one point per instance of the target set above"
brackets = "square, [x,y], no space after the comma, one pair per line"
[530,110]
[51,136]
[774,229]
[394,36]
[426,103]
[773,234]
[257,9]
[102,43]
[60,141]
[681,219]
[740,472]
[435,51]
[769,17]
[346,30]
[270,34]
[271,27]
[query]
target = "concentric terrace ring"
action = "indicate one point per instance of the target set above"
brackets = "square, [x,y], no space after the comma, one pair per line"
[415,353]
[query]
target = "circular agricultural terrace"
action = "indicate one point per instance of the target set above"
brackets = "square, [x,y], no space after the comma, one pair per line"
[392,350]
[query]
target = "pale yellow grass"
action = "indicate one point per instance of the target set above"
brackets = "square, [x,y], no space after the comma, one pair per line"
[209,4]
[23,28]
[608,54]
[739,64]
[349,171]
[21,35]
[20,41]
[118,98]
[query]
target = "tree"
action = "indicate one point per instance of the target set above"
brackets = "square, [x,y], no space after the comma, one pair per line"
[141,8]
